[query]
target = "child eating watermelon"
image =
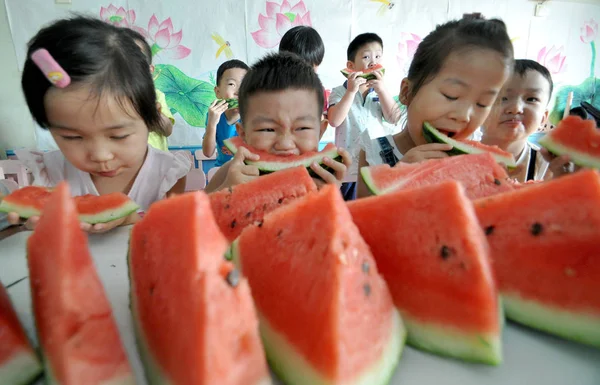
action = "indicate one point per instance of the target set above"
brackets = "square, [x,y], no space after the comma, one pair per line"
[359,104]
[280,102]
[518,113]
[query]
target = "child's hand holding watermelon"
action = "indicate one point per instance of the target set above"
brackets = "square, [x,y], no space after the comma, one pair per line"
[426,151]
[334,171]
[557,165]
[237,171]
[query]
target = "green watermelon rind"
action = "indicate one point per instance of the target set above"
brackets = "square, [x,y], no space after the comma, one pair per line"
[269,167]
[365,173]
[577,157]
[101,217]
[287,364]
[432,135]
[477,347]
[21,369]
[293,369]
[579,327]
[367,76]
[231,103]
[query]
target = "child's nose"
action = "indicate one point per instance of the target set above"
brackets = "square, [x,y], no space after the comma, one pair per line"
[285,142]
[100,154]
[515,107]
[462,112]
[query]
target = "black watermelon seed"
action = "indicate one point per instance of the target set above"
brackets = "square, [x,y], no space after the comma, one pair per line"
[265,207]
[279,233]
[445,252]
[233,223]
[536,228]
[367,289]
[366,267]
[463,266]
[227,206]
[248,214]
[152,290]
[233,278]
[260,223]
[497,181]
[280,201]
[489,230]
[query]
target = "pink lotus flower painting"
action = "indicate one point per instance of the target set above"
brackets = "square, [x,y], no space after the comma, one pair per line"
[589,31]
[278,20]
[118,16]
[407,48]
[553,59]
[163,39]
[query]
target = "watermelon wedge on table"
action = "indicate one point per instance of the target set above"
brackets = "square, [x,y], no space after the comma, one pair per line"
[440,277]
[29,201]
[545,247]
[241,205]
[269,163]
[19,363]
[366,73]
[576,137]
[479,173]
[326,315]
[193,314]
[76,330]
[461,147]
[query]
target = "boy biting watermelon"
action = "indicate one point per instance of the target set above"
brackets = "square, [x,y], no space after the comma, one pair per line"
[281,104]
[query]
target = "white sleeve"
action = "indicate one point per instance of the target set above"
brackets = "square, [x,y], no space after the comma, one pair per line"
[46,168]
[336,95]
[180,166]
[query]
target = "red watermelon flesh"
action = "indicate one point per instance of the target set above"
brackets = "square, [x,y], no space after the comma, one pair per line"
[241,205]
[268,162]
[440,277]
[75,326]
[193,314]
[479,173]
[29,201]
[19,363]
[545,246]
[326,315]
[576,137]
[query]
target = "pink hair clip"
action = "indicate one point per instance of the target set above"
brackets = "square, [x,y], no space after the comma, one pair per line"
[51,69]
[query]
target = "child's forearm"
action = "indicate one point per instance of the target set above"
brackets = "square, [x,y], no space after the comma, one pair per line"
[209,141]
[389,107]
[167,125]
[338,113]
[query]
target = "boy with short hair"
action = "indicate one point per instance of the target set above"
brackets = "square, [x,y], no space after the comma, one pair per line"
[221,120]
[280,102]
[360,105]
[519,111]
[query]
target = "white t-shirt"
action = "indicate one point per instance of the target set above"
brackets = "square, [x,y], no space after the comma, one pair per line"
[365,115]
[158,174]
[524,160]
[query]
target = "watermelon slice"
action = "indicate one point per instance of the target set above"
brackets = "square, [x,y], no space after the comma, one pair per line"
[77,332]
[366,73]
[460,147]
[241,205]
[440,277]
[270,163]
[193,314]
[231,103]
[479,173]
[326,315]
[545,243]
[19,363]
[576,137]
[30,200]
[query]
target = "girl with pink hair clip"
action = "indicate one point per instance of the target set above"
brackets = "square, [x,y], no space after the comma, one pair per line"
[88,83]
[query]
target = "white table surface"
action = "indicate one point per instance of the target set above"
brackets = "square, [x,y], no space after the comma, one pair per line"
[530,357]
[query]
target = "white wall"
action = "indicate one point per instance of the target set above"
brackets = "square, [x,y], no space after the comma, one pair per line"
[16,126]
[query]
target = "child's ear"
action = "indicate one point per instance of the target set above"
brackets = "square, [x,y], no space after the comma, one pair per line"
[350,65]
[239,128]
[217,93]
[544,118]
[152,68]
[405,91]
[324,124]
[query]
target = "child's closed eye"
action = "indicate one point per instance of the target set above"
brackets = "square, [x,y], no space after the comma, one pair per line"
[533,99]
[69,137]
[452,98]
[303,128]
[266,130]
[119,137]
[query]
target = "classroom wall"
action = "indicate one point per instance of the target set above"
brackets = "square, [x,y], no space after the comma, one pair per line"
[189,35]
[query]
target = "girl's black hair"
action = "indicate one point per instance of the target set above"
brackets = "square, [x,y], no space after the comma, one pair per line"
[471,32]
[305,42]
[94,52]
[279,72]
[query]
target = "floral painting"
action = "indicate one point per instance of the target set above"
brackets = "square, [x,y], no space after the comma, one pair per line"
[589,89]
[186,96]
[553,59]
[406,49]
[279,18]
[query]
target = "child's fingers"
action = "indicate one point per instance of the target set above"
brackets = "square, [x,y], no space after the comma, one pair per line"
[13,218]
[327,176]
[243,153]
[346,158]
[339,168]
[434,147]
[434,155]
[250,170]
